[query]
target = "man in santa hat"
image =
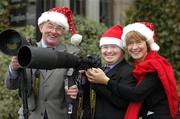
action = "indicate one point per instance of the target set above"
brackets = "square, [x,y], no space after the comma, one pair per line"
[48,97]
[108,104]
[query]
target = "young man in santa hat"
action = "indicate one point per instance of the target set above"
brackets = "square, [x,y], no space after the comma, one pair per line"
[109,105]
[155,93]
[48,96]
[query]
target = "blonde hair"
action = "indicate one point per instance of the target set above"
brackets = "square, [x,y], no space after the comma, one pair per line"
[134,35]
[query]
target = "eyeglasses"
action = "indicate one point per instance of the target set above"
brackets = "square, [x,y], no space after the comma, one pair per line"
[52,26]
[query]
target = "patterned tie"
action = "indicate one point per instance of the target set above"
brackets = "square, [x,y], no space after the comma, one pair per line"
[106,69]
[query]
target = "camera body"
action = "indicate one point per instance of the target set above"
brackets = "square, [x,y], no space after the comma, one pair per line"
[90,61]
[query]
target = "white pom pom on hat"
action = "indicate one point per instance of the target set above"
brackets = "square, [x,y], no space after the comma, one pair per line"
[63,17]
[76,39]
[112,36]
[144,28]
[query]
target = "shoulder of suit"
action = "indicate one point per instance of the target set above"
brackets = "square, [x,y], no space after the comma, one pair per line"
[122,64]
[72,49]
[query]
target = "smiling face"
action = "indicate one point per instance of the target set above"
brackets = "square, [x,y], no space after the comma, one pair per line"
[136,46]
[111,53]
[51,32]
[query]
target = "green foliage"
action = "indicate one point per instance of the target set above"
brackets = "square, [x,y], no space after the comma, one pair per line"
[166,18]
[91,31]
[3,14]
[9,99]
[27,31]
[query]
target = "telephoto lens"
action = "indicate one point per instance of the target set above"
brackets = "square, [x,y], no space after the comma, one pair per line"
[11,41]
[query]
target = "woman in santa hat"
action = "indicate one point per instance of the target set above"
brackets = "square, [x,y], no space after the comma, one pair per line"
[154,96]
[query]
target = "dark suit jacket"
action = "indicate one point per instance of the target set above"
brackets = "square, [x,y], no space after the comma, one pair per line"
[151,92]
[109,105]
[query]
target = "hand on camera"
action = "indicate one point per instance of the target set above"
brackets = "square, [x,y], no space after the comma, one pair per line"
[96,75]
[14,65]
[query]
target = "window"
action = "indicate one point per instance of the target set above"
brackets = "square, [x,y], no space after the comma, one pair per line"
[78,7]
[106,12]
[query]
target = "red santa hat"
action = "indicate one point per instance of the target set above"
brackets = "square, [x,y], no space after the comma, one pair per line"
[63,17]
[112,36]
[144,28]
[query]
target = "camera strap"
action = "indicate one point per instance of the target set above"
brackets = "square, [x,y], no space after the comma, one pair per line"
[36,82]
[68,81]
[86,100]
[80,98]
[92,101]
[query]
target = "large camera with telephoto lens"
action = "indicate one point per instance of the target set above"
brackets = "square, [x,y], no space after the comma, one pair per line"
[48,58]
[13,43]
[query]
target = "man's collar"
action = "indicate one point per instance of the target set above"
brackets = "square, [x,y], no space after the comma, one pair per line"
[113,65]
[43,44]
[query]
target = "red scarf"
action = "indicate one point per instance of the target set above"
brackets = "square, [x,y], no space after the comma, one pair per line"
[154,62]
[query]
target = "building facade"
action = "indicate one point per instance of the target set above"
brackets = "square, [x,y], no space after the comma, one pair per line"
[107,11]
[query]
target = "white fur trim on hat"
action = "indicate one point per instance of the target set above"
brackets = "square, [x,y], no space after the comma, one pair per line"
[55,17]
[76,39]
[111,40]
[153,45]
[142,29]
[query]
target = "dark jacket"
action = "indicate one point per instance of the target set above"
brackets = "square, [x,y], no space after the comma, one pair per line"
[109,105]
[151,92]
